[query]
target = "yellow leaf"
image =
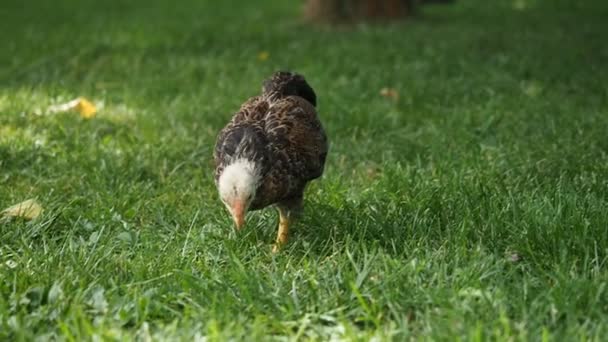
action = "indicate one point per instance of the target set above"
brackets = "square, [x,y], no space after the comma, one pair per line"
[29,209]
[263,55]
[86,109]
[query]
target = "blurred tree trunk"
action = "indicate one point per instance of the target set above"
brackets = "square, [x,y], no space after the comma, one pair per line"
[352,10]
[349,10]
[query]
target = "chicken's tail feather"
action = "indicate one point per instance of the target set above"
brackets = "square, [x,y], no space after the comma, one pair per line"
[285,83]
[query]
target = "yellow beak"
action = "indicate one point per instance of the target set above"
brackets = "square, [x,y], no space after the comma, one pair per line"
[238,213]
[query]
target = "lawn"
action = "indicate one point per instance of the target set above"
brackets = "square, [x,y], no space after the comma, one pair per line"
[473,205]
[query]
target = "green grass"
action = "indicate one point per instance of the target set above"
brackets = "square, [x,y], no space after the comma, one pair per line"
[474,207]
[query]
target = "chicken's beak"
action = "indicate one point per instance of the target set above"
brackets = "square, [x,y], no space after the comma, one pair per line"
[238,213]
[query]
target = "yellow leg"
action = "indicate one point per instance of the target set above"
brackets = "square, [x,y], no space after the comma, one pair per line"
[284,221]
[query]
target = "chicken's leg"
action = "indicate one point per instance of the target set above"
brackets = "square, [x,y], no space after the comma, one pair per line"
[287,214]
[284,223]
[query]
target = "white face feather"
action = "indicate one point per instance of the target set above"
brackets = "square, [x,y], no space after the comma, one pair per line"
[239,180]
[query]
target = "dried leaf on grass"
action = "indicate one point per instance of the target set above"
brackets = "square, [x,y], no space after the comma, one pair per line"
[83,106]
[29,210]
[86,108]
[390,93]
[263,56]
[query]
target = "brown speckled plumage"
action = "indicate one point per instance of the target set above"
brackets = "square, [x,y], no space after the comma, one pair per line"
[281,132]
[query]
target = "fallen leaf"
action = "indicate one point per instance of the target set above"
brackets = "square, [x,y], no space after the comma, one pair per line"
[532,88]
[56,293]
[83,106]
[513,256]
[520,5]
[263,56]
[64,107]
[372,171]
[29,209]
[98,301]
[390,93]
[86,109]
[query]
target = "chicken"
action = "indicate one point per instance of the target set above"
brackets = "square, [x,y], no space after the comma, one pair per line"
[273,146]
